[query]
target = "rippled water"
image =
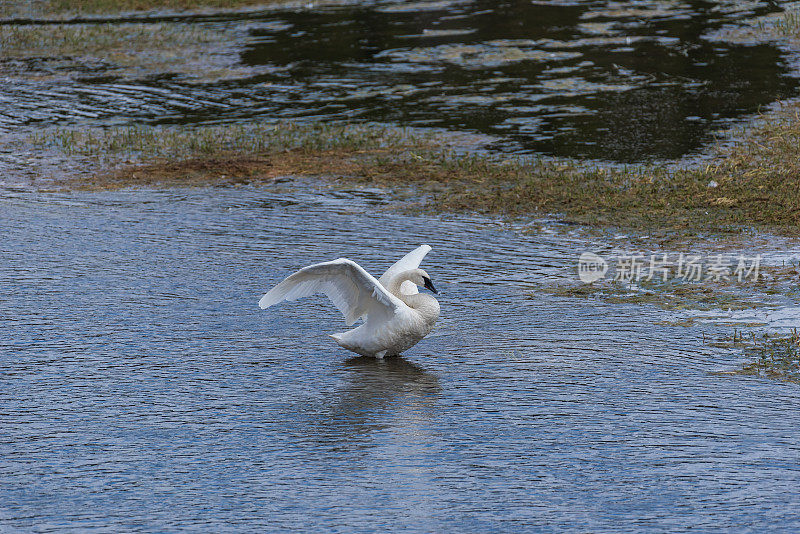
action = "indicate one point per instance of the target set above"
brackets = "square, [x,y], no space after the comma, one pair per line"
[587,78]
[141,388]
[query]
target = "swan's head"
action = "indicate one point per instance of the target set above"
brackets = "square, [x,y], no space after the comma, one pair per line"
[422,279]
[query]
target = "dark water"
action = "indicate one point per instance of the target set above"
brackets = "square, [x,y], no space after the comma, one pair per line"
[627,82]
[141,388]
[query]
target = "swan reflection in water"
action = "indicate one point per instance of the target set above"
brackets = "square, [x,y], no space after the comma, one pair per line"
[379,394]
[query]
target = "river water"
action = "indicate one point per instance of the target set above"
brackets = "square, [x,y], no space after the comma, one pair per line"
[606,80]
[141,387]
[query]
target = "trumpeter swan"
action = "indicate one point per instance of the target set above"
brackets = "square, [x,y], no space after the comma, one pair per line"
[396,316]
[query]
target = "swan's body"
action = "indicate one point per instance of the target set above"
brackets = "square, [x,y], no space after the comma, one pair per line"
[396,316]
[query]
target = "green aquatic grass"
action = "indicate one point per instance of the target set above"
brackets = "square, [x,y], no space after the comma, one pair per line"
[254,138]
[186,156]
[668,296]
[772,356]
[786,24]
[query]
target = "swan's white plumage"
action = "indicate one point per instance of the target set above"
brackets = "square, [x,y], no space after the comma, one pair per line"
[406,263]
[395,315]
[352,290]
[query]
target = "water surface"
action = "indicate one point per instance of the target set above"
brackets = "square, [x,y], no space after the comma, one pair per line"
[625,82]
[142,389]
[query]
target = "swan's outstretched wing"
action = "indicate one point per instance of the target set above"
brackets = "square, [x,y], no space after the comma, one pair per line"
[406,263]
[352,289]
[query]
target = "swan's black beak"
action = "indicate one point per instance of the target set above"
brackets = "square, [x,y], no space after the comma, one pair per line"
[429,285]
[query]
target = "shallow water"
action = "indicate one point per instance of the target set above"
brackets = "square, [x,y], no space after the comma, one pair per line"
[590,79]
[141,387]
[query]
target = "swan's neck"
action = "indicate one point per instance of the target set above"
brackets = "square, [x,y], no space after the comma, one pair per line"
[397,281]
[425,305]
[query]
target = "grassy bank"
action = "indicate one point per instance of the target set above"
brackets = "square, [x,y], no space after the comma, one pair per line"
[753,183]
[117,46]
[65,9]
[180,156]
[202,52]
[117,6]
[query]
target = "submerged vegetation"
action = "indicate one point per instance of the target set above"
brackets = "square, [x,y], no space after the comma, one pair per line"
[773,286]
[788,23]
[775,356]
[198,51]
[73,8]
[254,138]
[112,6]
[701,296]
[783,24]
[105,38]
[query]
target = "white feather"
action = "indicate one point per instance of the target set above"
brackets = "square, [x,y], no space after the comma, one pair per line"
[352,290]
[406,263]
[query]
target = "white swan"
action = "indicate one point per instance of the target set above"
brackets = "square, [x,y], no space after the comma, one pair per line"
[396,316]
